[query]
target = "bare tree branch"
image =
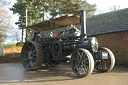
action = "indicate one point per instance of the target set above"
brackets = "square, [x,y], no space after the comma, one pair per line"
[4,20]
[115,7]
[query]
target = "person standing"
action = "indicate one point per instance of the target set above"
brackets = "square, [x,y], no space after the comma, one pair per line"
[37,36]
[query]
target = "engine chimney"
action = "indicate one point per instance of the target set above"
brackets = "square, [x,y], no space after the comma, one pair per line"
[83,19]
[83,22]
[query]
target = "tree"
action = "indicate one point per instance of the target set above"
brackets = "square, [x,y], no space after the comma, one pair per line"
[34,14]
[115,7]
[99,11]
[4,20]
[65,7]
[14,35]
[38,9]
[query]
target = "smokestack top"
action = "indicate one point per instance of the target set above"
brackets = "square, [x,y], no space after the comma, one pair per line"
[82,5]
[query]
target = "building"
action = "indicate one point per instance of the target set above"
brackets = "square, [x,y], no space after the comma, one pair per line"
[111,29]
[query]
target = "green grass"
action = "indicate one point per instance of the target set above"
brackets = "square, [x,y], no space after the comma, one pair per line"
[19,44]
[9,45]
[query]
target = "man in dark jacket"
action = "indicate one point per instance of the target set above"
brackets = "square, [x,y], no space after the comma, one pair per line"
[37,36]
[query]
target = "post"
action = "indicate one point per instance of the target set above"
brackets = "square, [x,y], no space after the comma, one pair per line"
[1,51]
[26,25]
[26,17]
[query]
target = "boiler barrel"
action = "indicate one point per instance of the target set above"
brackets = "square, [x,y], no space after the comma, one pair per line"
[70,47]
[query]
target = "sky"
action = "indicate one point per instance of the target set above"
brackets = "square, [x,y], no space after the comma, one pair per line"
[103,6]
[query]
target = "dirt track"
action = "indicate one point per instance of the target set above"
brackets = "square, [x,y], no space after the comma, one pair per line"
[15,74]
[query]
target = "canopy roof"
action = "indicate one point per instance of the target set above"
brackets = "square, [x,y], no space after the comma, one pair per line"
[56,23]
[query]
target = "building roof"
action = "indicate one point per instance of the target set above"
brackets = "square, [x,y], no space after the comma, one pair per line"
[108,22]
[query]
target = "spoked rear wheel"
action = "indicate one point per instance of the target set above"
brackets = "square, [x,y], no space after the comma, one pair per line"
[82,62]
[105,65]
[32,55]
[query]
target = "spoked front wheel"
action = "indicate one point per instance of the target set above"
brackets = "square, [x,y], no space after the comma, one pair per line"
[32,55]
[107,63]
[82,62]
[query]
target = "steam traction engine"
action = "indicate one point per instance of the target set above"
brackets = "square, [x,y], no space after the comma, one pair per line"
[84,51]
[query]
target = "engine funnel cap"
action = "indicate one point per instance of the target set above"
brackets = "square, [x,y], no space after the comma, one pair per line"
[82,5]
